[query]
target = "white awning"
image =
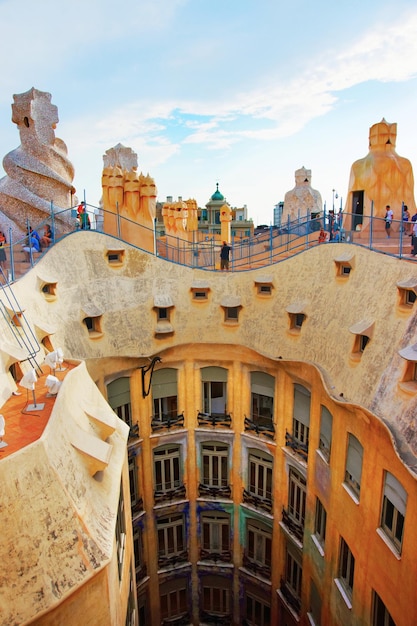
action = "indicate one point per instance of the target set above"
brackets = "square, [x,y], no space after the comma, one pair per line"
[264,279]
[346,257]
[91,310]
[162,301]
[200,284]
[44,278]
[45,329]
[364,327]
[16,352]
[296,307]
[411,283]
[231,301]
[409,353]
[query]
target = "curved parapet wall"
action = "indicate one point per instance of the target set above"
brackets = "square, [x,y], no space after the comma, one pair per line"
[340,295]
[39,173]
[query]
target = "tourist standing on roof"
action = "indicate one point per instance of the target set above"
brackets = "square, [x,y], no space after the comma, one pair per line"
[224,256]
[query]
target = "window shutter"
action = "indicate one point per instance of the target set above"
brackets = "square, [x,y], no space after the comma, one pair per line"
[395,493]
[326,426]
[118,392]
[164,383]
[214,375]
[262,384]
[354,458]
[302,405]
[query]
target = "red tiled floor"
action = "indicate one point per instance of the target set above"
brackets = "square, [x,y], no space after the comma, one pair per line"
[23,427]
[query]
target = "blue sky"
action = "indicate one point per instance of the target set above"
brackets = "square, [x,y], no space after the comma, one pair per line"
[239,92]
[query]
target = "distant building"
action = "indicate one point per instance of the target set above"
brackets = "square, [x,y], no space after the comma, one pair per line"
[209,217]
[278,210]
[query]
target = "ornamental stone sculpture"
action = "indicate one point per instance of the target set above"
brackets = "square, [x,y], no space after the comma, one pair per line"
[380,178]
[129,198]
[302,200]
[39,174]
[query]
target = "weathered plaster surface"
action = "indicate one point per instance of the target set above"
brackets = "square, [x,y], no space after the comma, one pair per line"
[58,521]
[125,298]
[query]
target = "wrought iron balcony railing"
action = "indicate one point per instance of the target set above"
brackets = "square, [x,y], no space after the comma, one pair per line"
[182,620]
[177,493]
[207,491]
[257,568]
[221,420]
[166,422]
[291,598]
[133,432]
[170,560]
[141,573]
[137,506]
[213,618]
[293,526]
[260,426]
[264,504]
[297,446]
[225,556]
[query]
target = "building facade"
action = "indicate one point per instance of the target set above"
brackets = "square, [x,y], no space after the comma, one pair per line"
[271,449]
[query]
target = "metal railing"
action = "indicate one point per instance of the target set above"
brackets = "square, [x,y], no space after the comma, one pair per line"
[294,527]
[225,556]
[264,504]
[203,251]
[223,420]
[166,422]
[177,493]
[253,566]
[208,491]
[297,446]
[260,425]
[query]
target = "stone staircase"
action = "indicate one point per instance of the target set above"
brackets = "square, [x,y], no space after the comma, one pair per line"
[20,262]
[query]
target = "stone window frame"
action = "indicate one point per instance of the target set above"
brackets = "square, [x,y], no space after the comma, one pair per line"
[344,265]
[115,257]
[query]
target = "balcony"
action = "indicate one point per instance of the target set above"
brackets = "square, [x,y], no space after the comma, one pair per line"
[256,568]
[295,528]
[214,618]
[217,557]
[133,432]
[290,597]
[261,426]
[166,422]
[182,620]
[141,573]
[171,560]
[208,491]
[295,445]
[177,493]
[222,420]
[137,506]
[265,504]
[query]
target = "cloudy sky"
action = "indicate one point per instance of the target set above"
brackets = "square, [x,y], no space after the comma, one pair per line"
[239,92]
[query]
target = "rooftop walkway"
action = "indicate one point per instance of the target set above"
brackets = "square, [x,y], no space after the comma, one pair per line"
[200,249]
[23,427]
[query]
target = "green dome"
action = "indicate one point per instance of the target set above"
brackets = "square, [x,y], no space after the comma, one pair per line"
[217,195]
